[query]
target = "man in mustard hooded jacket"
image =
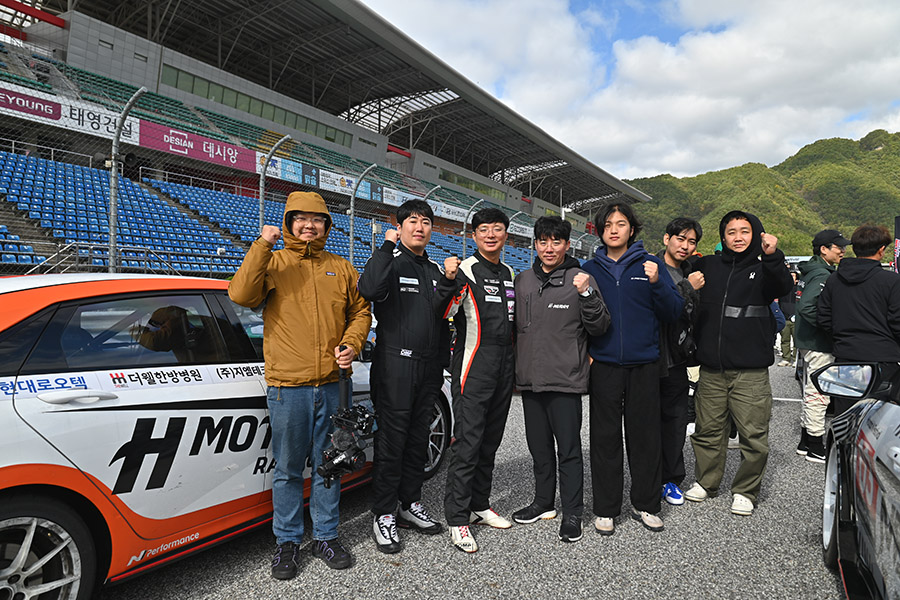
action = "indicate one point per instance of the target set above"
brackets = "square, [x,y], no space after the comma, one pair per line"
[312,308]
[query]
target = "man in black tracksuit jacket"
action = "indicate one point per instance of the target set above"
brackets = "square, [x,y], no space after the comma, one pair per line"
[735,334]
[483,309]
[860,305]
[411,351]
[557,308]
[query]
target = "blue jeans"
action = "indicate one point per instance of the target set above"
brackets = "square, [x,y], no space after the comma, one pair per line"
[300,418]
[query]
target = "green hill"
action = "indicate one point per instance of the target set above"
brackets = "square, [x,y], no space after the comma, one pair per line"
[834,183]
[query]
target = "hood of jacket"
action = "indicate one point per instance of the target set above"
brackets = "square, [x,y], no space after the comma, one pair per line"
[816,263]
[635,252]
[304,202]
[754,249]
[856,270]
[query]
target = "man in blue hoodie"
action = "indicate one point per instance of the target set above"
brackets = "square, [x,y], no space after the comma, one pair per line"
[639,293]
[735,334]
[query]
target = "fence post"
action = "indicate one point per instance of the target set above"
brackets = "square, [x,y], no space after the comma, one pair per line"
[114,177]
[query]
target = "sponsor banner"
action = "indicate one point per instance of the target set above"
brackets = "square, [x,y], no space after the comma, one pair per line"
[191,145]
[343,184]
[129,379]
[299,173]
[396,197]
[73,115]
[274,169]
[448,211]
[517,229]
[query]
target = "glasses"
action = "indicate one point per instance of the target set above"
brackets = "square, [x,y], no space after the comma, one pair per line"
[485,229]
[317,221]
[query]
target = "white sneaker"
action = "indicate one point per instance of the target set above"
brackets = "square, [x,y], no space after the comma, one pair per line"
[691,428]
[489,517]
[648,520]
[463,539]
[416,517]
[605,525]
[384,530]
[784,363]
[696,493]
[734,443]
[742,505]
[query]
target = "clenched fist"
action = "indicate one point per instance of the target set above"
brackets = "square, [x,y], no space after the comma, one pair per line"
[651,270]
[271,234]
[392,235]
[581,281]
[769,243]
[697,280]
[451,266]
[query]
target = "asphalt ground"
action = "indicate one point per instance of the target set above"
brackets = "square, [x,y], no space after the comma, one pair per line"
[704,552]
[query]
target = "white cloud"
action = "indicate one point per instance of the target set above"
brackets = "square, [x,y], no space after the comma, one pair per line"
[750,81]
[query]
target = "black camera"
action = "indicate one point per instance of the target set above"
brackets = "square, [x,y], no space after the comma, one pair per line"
[352,427]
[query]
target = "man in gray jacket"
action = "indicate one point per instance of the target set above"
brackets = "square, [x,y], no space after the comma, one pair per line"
[557,307]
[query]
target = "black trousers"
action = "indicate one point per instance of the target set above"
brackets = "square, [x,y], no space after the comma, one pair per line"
[403,392]
[555,416]
[480,411]
[673,410]
[632,391]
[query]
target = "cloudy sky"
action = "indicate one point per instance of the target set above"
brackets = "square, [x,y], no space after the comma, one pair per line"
[643,87]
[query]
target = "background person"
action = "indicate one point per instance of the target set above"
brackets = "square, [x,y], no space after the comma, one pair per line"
[639,293]
[407,370]
[813,343]
[860,306]
[787,304]
[312,307]
[557,308]
[483,308]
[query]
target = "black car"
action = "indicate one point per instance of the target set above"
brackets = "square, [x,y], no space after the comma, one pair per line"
[861,509]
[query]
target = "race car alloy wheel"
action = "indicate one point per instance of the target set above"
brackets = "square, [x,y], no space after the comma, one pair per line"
[438,437]
[831,509]
[46,551]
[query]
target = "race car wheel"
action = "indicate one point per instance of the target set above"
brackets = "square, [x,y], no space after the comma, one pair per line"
[831,509]
[438,437]
[46,551]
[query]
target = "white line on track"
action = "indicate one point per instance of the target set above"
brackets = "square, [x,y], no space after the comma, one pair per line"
[789,399]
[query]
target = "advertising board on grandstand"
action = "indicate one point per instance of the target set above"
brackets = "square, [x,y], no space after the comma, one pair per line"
[83,117]
[73,115]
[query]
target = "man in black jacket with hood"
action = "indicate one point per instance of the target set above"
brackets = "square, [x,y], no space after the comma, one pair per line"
[557,308]
[860,305]
[735,334]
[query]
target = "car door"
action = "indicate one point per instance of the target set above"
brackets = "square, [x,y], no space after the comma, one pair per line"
[143,394]
[884,433]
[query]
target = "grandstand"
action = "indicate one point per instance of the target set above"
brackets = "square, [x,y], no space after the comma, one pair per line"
[193,145]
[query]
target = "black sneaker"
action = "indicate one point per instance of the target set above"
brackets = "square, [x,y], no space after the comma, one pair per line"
[333,553]
[286,561]
[533,512]
[571,528]
[803,446]
[816,449]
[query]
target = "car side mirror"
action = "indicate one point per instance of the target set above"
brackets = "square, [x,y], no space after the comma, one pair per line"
[850,381]
[367,350]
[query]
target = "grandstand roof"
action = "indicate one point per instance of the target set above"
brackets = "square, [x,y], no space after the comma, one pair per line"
[342,58]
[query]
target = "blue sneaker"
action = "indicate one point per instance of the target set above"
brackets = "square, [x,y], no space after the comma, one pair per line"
[672,494]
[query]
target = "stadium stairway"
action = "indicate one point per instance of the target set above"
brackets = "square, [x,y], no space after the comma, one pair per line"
[191,214]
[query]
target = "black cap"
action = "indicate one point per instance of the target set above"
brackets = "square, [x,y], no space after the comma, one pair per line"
[827,237]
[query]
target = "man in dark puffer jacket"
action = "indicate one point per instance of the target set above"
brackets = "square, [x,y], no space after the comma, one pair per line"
[735,334]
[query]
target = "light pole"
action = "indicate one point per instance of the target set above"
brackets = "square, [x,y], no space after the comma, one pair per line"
[352,210]
[580,237]
[431,191]
[466,225]
[521,212]
[114,178]
[262,181]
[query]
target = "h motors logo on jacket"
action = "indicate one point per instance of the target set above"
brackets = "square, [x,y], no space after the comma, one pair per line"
[558,306]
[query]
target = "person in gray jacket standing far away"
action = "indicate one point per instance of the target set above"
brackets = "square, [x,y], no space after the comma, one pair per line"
[557,307]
